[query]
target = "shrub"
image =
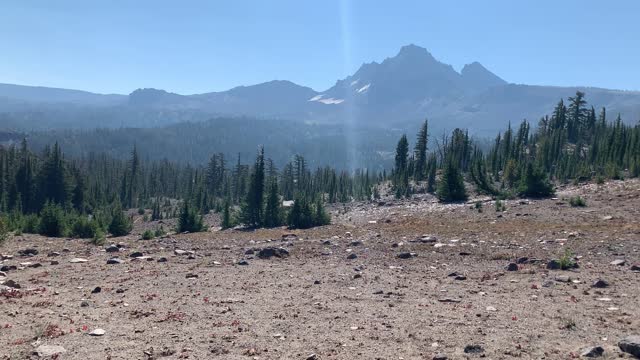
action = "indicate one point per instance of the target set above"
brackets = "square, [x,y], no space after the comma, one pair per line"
[577,201]
[31,224]
[120,224]
[478,206]
[303,215]
[534,183]
[500,206]
[147,235]
[141,211]
[451,185]
[52,220]
[84,228]
[160,232]
[4,230]
[189,220]
[228,220]
[566,260]
[99,238]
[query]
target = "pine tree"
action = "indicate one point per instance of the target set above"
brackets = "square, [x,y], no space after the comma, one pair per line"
[120,224]
[420,153]
[533,183]
[273,208]
[252,209]
[401,171]
[451,186]
[227,217]
[189,220]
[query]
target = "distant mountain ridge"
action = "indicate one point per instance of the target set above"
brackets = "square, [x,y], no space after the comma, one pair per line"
[397,92]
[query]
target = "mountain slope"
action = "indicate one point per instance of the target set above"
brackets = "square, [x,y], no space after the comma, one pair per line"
[397,92]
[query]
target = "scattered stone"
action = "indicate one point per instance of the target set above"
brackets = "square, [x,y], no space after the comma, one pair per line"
[512,267]
[269,252]
[96,290]
[473,349]
[49,350]
[192,276]
[554,265]
[243,262]
[407,255]
[357,276]
[563,278]
[180,252]
[136,254]
[54,262]
[114,261]
[3,274]
[250,252]
[352,256]
[464,253]
[8,268]
[491,308]
[312,357]
[356,243]
[34,265]
[522,260]
[97,332]
[28,252]
[635,267]
[162,259]
[449,300]
[112,248]
[631,345]
[440,357]
[600,284]
[317,282]
[289,237]
[460,277]
[85,303]
[78,260]
[12,284]
[53,254]
[591,352]
[618,262]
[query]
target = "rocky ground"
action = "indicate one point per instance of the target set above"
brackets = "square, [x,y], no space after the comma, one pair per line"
[391,280]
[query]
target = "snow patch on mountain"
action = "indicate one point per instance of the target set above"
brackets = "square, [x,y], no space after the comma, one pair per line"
[364,88]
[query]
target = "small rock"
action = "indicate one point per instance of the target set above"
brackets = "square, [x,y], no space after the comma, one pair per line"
[192,276]
[28,252]
[631,345]
[512,267]
[406,255]
[491,308]
[357,276]
[114,261]
[270,252]
[635,267]
[243,262]
[618,262]
[53,254]
[3,274]
[78,260]
[312,357]
[96,290]
[600,284]
[522,260]
[449,300]
[97,332]
[12,284]
[34,265]
[591,352]
[473,349]
[180,252]
[162,259]
[85,303]
[317,282]
[352,256]
[136,254]
[356,243]
[554,265]
[563,278]
[8,268]
[54,262]
[440,357]
[460,277]
[49,350]
[112,248]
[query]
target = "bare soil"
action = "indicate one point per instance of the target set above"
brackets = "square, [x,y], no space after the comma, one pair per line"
[318,301]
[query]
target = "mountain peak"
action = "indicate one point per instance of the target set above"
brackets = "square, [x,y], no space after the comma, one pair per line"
[478,76]
[414,51]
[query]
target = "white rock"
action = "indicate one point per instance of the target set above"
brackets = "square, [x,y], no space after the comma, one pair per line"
[97,332]
[78,260]
[49,350]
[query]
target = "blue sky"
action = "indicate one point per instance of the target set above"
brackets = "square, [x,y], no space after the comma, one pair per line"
[116,46]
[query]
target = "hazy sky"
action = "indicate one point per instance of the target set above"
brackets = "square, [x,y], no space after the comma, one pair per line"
[116,46]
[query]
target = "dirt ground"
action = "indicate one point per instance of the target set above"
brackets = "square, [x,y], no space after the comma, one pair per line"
[319,303]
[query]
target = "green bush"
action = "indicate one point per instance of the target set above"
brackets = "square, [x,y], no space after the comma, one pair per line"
[141,211]
[189,220]
[304,215]
[577,201]
[52,221]
[534,183]
[451,185]
[566,260]
[99,238]
[160,232]
[84,228]
[500,206]
[147,235]
[31,224]
[120,224]
[4,230]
